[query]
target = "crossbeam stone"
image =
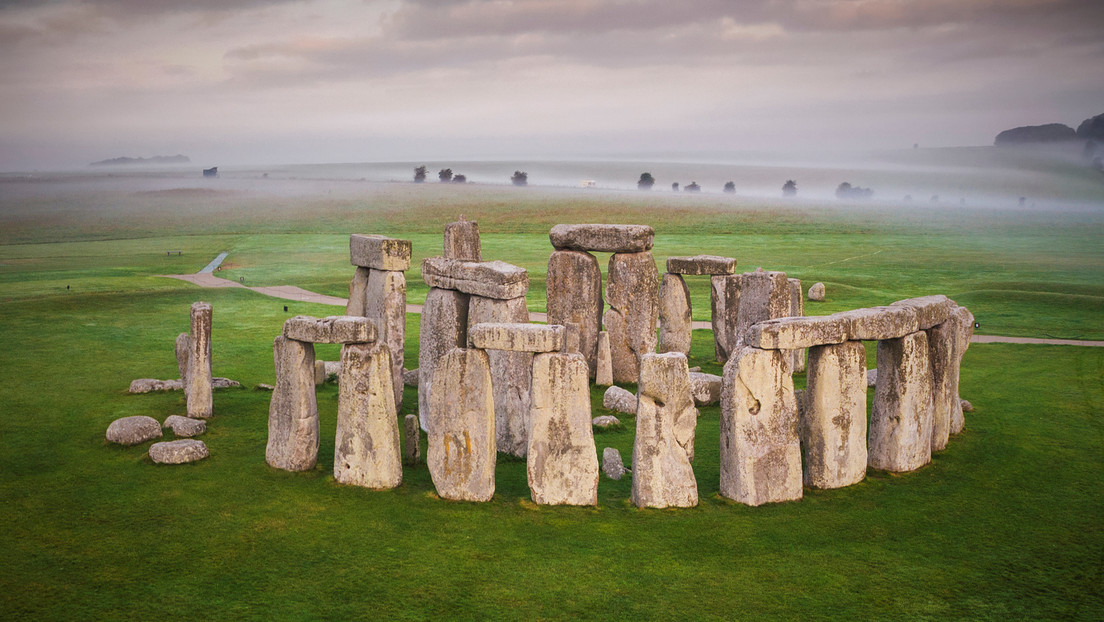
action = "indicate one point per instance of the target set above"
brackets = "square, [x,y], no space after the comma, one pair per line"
[490,279]
[517,337]
[701,265]
[332,329]
[603,238]
[379,252]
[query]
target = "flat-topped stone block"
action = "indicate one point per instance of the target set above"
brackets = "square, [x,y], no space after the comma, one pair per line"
[490,279]
[603,238]
[517,337]
[930,310]
[701,264]
[788,333]
[178,452]
[379,252]
[332,329]
[878,323]
[462,241]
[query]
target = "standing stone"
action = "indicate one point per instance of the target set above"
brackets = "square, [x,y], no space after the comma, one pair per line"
[183,356]
[293,410]
[965,323]
[412,449]
[662,475]
[797,309]
[816,292]
[941,350]
[763,296]
[760,448]
[573,339]
[901,421]
[612,465]
[199,389]
[366,451]
[574,286]
[358,290]
[510,373]
[461,455]
[665,380]
[604,373]
[462,241]
[319,372]
[633,296]
[674,315]
[385,304]
[444,326]
[833,420]
[562,464]
[724,301]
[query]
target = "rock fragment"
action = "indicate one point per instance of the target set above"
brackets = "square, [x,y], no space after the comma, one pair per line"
[612,465]
[816,292]
[605,421]
[185,426]
[133,430]
[412,449]
[619,400]
[705,388]
[178,452]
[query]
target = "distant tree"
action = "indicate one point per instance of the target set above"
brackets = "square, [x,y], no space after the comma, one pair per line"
[460,179]
[847,191]
[730,187]
[445,175]
[646,181]
[789,188]
[419,174]
[520,178]
[693,187]
[674,186]
[1090,150]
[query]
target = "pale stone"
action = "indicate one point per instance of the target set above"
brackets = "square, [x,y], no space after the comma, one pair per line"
[511,373]
[701,264]
[602,238]
[930,310]
[632,293]
[133,430]
[358,289]
[788,333]
[262,386]
[444,326]
[674,315]
[816,292]
[901,420]
[764,295]
[619,400]
[663,448]
[964,322]
[178,452]
[603,376]
[878,323]
[871,378]
[760,447]
[966,405]
[705,388]
[612,465]
[665,380]
[319,372]
[490,279]
[944,364]
[379,252]
[331,368]
[833,416]
[461,455]
[293,410]
[183,355]
[224,383]
[574,290]
[412,432]
[385,305]
[366,445]
[797,309]
[200,400]
[573,338]
[410,377]
[462,241]
[331,329]
[562,463]
[516,336]
[146,385]
[185,426]
[724,303]
[605,421]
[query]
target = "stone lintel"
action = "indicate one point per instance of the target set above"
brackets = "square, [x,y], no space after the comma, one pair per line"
[332,329]
[930,310]
[490,279]
[517,337]
[701,264]
[379,252]
[603,238]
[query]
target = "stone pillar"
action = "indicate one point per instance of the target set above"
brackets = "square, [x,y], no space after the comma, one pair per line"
[183,356]
[443,327]
[510,373]
[366,451]
[665,419]
[665,380]
[461,455]
[462,241]
[947,343]
[760,449]
[833,421]
[574,290]
[724,301]
[385,304]
[358,291]
[562,464]
[797,309]
[412,450]
[674,315]
[200,399]
[633,296]
[293,411]
[901,421]
[965,323]
[604,374]
[763,296]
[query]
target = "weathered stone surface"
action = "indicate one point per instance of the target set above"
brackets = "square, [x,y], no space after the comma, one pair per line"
[604,371]
[573,339]
[444,326]
[511,373]
[133,430]
[293,410]
[410,377]
[185,426]
[183,356]
[358,290]
[944,370]
[901,420]
[871,378]
[462,241]
[966,405]
[574,287]
[332,368]
[200,400]
[724,301]
[412,432]
[379,252]
[619,400]
[833,416]
[385,305]
[788,333]
[701,264]
[760,447]
[705,388]
[461,455]
[319,372]
[602,238]
[366,446]
[490,279]
[930,310]
[797,309]
[612,464]
[331,329]
[816,292]
[665,421]
[261,386]
[878,323]
[562,463]
[605,421]
[763,296]
[963,320]
[178,452]
[632,293]
[674,315]
[516,336]
[146,385]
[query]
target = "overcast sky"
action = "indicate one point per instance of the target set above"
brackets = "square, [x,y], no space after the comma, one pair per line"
[257,81]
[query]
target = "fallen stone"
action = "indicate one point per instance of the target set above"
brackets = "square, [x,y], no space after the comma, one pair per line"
[788,333]
[901,419]
[333,329]
[871,378]
[878,323]
[490,279]
[461,455]
[264,387]
[178,452]
[412,449]
[763,296]
[604,372]
[462,241]
[705,388]
[224,383]
[379,252]
[385,305]
[930,310]
[662,475]
[816,292]
[632,293]
[200,401]
[724,303]
[410,377]
[293,409]
[366,445]
[605,421]
[675,320]
[517,337]
[833,416]
[444,326]
[665,381]
[511,373]
[603,238]
[701,264]
[358,291]
[966,405]
[574,291]
[619,400]
[133,430]
[562,464]
[146,385]
[612,464]
[797,309]
[185,426]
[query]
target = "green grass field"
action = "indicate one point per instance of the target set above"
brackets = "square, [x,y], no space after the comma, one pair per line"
[1007,523]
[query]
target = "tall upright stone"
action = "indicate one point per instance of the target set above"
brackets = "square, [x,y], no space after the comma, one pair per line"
[760,447]
[385,304]
[724,301]
[358,291]
[965,322]
[675,320]
[293,410]
[947,343]
[665,420]
[183,357]
[412,449]
[462,241]
[574,286]
[200,399]
[366,451]
[461,454]
[901,421]
[665,380]
[562,463]
[603,376]
[444,326]
[797,309]
[633,296]
[763,296]
[833,420]
[510,373]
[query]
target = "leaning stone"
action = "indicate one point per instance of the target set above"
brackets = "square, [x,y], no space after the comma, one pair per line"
[200,400]
[878,323]
[871,378]
[461,455]
[612,465]
[358,290]
[665,380]
[797,309]
[901,421]
[662,475]
[293,410]
[701,264]
[760,447]
[632,292]
[332,329]
[185,426]
[674,315]
[516,337]
[410,377]
[183,352]
[788,333]
[605,421]
[412,449]
[462,241]
[574,291]
[133,430]
[366,445]
[602,238]
[816,292]
[178,452]
[833,419]
[619,400]
[444,326]
[603,376]
[379,252]
[511,373]
[763,296]
[146,385]
[562,464]
[930,310]
[724,302]
[705,388]
[490,279]
[385,304]
[965,324]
